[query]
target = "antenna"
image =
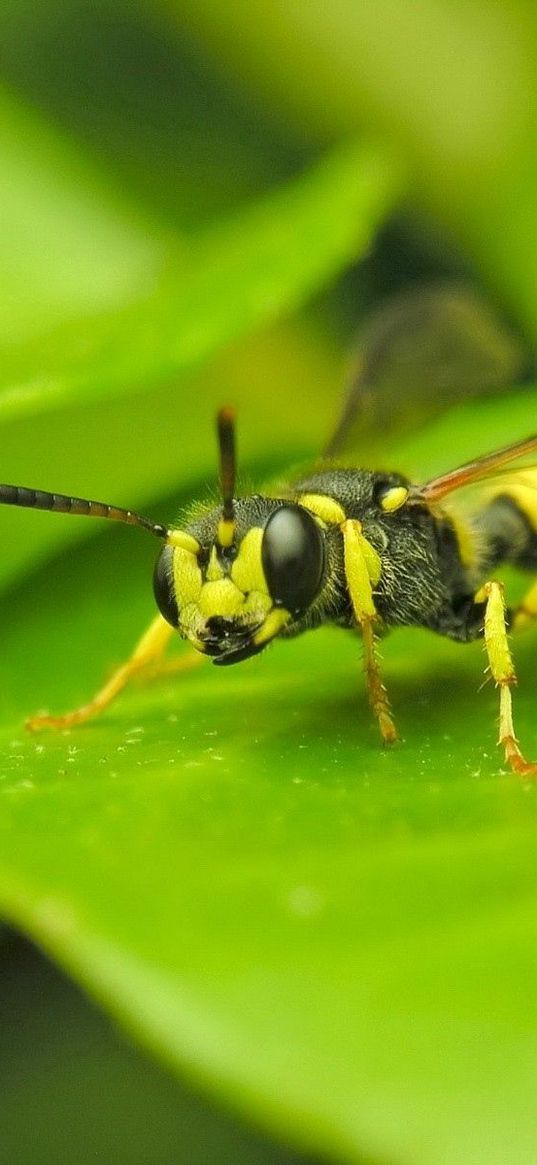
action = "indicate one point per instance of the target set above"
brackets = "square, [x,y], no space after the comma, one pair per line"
[225,425]
[37,499]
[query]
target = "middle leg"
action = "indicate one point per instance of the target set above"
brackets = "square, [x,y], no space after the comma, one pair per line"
[503,672]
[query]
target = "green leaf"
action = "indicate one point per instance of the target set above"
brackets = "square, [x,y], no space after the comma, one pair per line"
[171,134]
[336,940]
[69,244]
[236,276]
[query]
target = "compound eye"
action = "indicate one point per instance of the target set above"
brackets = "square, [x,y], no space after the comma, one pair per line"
[163,588]
[292,555]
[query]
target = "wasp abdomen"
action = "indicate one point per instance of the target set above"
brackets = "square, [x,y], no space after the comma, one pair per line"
[509,526]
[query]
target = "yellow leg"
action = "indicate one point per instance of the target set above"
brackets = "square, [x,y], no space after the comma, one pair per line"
[362,569]
[161,668]
[147,654]
[503,672]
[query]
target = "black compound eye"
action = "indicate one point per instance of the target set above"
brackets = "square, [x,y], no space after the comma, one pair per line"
[292,554]
[163,588]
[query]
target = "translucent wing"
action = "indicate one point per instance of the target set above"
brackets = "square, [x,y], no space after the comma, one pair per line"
[486,468]
[420,353]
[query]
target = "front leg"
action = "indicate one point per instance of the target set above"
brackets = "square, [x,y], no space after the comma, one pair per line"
[362,568]
[146,655]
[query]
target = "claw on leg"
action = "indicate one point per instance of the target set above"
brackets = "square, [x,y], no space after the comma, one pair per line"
[507,737]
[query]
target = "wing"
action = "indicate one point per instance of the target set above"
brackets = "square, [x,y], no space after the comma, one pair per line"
[492,465]
[419,354]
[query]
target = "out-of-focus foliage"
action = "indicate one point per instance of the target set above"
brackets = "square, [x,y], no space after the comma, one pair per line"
[93,1097]
[453,85]
[199,201]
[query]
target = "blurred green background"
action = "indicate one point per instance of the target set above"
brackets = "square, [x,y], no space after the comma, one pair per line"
[199,203]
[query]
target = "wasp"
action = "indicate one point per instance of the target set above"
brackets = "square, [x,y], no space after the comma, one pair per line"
[363,549]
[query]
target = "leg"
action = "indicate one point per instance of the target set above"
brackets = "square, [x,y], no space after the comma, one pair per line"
[378,696]
[147,653]
[161,668]
[503,672]
[362,568]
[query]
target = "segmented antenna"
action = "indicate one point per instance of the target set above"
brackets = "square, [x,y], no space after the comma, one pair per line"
[225,423]
[37,499]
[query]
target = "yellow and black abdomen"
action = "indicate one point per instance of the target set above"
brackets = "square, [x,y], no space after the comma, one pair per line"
[508,527]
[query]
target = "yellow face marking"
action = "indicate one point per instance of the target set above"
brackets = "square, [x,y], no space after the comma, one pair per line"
[247,570]
[225,531]
[223,598]
[242,595]
[214,570]
[186,577]
[183,541]
[394,498]
[220,598]
[324,508]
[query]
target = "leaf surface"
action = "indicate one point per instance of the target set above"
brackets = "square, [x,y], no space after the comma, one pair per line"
[337,940]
